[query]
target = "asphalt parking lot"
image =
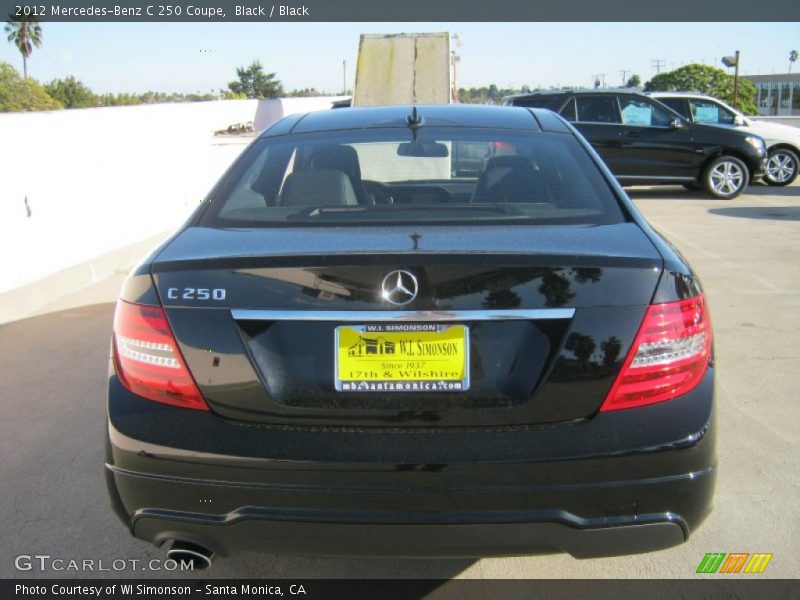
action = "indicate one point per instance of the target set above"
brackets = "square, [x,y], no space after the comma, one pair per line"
[747,253]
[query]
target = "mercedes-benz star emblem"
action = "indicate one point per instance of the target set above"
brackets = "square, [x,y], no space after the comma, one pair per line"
[399,287]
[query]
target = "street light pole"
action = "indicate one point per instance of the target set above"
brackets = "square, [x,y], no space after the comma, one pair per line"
[733,61]
[454,89]
[344,78]
[454,60]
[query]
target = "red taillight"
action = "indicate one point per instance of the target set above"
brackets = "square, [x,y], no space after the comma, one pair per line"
[668,358]
[148,360]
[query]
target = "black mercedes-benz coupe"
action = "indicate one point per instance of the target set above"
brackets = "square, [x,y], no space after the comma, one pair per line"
[413,331]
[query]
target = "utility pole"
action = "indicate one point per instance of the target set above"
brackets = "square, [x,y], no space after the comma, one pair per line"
[624,73]
[657,64]
[344,78]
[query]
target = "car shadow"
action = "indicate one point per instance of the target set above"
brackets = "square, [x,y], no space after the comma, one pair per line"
[761,189]
[252,564]
[777,213]
[672,192]
[665,192]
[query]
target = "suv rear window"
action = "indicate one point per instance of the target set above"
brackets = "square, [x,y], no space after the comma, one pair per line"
[385,175]
[676,104]
[538,101]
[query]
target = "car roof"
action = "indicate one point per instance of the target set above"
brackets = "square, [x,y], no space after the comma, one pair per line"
[684,94]
[579,91]
[442,115]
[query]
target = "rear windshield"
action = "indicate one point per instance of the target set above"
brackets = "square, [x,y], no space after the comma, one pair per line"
[396,176]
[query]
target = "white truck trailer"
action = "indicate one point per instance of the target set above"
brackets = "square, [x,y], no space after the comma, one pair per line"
[404,68]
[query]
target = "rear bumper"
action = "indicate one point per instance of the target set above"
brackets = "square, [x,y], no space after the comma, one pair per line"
[262,532]
[624,482]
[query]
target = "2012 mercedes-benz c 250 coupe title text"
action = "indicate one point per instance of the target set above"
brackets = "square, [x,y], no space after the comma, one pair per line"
[413,331]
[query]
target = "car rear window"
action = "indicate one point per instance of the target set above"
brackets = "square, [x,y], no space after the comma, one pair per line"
[676,104]
[538,101]
[597,109]
[438,175]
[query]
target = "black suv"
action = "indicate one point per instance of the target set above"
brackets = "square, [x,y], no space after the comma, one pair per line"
[644,142]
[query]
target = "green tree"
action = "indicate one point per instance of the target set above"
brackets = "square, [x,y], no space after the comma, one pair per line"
[611,348]
[254,83]
[151,97]
[71,93]
[792,59]
[119,99]
[24,33]
[706,80]
[491,94]
[582,346]
[305,93]
[18,94]
[634,81]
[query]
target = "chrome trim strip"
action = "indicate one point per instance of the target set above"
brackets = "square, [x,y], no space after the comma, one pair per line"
[656,177]
[352,316]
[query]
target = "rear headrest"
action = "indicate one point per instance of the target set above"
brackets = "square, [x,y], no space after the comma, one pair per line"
[337,158]
[318,188]
[508,162]
[510,179]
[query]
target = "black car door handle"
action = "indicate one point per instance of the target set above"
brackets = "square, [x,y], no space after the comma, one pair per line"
[633,134]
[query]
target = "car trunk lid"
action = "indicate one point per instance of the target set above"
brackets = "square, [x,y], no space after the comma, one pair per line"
[548,314]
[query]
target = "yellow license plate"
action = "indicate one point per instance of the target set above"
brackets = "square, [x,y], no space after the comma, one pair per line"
[402,357]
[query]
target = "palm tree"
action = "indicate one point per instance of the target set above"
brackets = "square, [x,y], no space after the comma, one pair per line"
[24,33]
[792,58]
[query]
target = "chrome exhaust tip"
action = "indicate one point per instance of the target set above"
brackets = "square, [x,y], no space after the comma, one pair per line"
[187,553]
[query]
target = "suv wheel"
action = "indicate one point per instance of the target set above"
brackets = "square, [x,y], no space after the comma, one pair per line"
[781,167]
[725,177]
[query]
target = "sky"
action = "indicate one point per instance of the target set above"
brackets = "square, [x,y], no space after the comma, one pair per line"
[202,57]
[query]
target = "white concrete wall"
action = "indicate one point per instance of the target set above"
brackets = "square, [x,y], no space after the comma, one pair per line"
[270,111]
[102,179]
